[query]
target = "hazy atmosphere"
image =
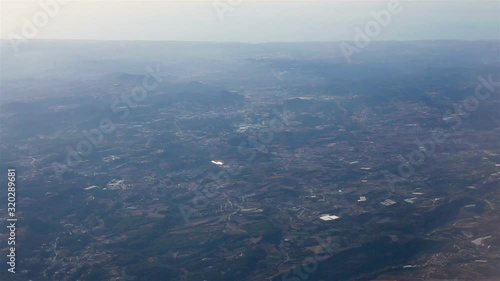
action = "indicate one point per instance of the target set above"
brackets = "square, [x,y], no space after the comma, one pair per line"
[250,20]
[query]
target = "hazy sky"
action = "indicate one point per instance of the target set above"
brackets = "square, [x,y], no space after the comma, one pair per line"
[247,20]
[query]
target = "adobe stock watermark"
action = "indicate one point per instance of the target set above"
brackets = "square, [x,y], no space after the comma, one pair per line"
[48,9]
[94,137]
[427,147]
[222,7]
[371,30]
[247,148]
[310,264]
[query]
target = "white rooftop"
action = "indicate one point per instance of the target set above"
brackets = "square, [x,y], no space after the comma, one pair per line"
[388,202]
[327,217]
[411,200]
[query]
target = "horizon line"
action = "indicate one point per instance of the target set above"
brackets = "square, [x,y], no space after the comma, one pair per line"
[243,42]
